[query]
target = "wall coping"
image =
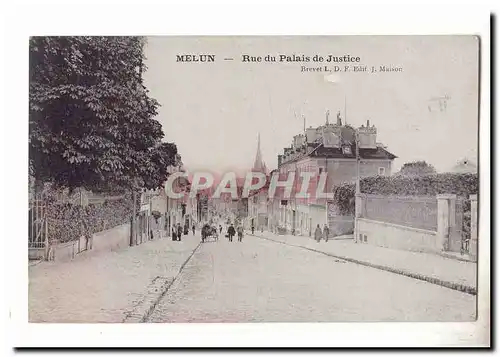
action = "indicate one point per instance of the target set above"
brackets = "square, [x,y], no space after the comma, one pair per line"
[417,230]
[446,196]
[399,197]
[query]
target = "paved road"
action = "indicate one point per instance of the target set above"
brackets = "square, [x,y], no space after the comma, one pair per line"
[103,286]
[262,281]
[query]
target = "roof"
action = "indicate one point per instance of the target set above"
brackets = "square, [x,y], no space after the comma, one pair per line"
[331,152]
[338,153]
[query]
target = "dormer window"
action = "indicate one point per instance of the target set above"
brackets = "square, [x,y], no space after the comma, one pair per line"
[346,150]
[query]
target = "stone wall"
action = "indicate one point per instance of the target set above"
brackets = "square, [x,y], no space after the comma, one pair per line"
[447,235]
[413,211]
[106,241]
[395,236]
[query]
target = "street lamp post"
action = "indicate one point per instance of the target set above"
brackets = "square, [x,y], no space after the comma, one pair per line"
[133,223]
[358,190]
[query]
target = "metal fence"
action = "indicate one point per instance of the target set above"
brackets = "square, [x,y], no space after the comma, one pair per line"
[55,217]
[37,227]
[415,212]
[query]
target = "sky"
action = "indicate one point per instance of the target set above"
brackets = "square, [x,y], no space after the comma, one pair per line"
[215,111]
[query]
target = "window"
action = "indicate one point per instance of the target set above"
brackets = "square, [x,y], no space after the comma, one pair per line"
[320,170]
[381,171]
[346,150]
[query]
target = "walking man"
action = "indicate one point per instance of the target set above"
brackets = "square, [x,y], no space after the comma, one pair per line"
[194,229]
[179,231]
[318,233]
[240,233]
[231,232]
[326,232]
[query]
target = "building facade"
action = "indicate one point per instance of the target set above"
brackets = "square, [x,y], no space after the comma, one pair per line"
[182,210]
[330,149]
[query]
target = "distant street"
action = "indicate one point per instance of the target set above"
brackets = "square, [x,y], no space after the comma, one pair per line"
[263,281]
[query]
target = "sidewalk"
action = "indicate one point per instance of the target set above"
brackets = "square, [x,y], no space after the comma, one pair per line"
[104,287]
[436,269]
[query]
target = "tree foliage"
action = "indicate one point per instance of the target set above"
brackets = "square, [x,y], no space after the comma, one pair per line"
[417,168]
[91,119]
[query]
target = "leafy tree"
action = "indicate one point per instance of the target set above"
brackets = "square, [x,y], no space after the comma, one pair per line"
[417,168]
[91,118]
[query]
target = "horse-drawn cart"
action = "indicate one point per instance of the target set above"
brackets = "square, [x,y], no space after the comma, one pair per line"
[209,233]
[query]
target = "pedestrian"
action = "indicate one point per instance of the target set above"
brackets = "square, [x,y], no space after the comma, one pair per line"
[326,232]
[318,233]
[240,233]
[231,232]
[215,232]
[174,234]
[205,230]
[220,228]
[194,228]
[253,228]
[179,231]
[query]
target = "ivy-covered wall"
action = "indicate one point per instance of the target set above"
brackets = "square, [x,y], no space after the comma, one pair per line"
[68,222]
[460,184]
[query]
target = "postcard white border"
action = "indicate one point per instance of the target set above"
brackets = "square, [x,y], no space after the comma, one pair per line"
[125,17]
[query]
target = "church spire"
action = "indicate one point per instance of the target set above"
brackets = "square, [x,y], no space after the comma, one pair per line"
[259,165]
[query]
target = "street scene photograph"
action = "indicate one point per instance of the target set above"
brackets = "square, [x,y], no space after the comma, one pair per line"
[219,179]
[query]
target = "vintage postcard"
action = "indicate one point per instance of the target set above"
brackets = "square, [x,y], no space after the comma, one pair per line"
[220,179]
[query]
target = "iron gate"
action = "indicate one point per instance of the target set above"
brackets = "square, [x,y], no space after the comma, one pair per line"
[37,228]
[460,235]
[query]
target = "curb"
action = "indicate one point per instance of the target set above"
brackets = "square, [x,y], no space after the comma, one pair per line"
[34,263]
[444,283]
[156,290]
[461,259]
